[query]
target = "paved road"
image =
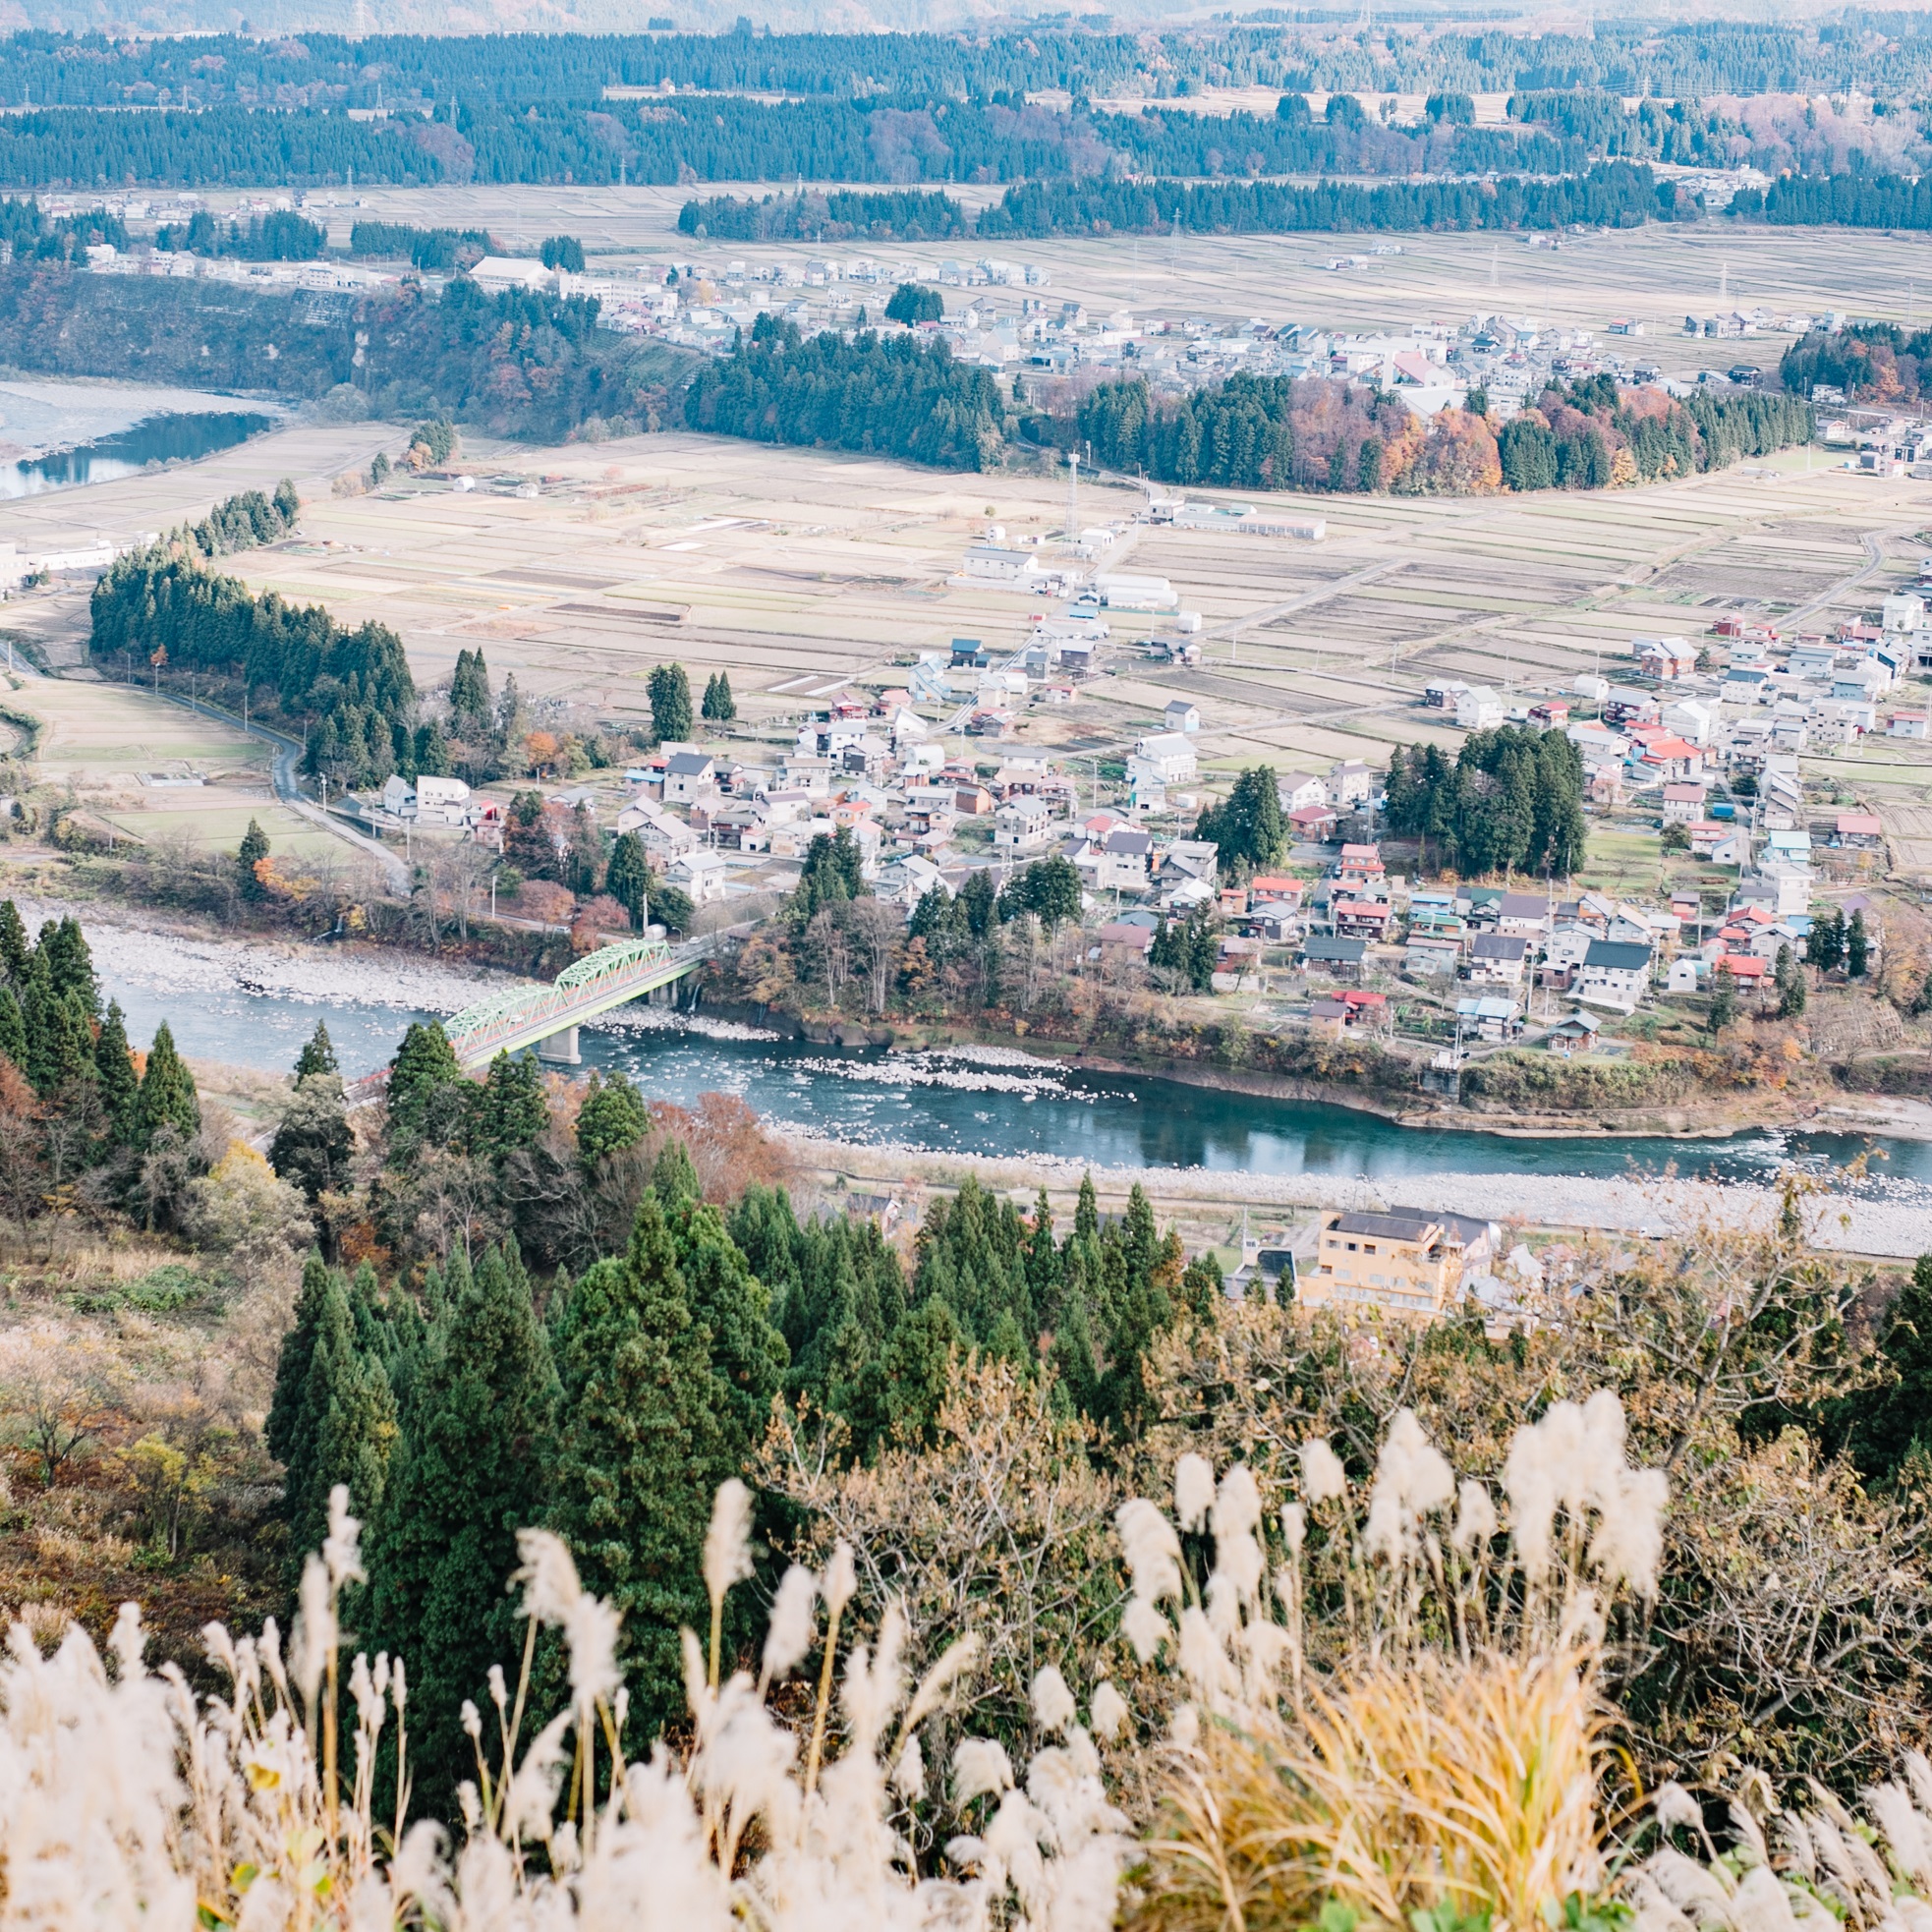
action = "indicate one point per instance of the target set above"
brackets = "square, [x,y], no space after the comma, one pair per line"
[288,789]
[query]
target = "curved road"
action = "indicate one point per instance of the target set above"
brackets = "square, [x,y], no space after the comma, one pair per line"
[288,789]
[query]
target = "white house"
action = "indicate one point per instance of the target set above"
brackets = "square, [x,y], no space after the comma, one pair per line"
[1478,708]
[1166,758]
[1182,717]
[1296,789]
[686,775]
[699,874]
[1683,804]
[1689,720]
[1908,725]
[1903,611]
[1022,824]
[991,567]
[663,837]
[1349,782]
[1613,973]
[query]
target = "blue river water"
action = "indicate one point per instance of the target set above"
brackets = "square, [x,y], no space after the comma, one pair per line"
[169,439]
[994,1101]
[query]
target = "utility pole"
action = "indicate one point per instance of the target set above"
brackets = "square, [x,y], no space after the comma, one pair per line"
[1073,497]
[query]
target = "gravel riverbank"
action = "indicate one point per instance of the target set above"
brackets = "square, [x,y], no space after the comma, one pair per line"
[1882,1219]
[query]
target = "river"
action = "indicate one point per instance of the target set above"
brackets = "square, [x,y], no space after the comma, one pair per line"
[987,1101]
[62,435]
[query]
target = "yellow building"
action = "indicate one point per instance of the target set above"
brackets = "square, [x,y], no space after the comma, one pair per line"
[1408,1261]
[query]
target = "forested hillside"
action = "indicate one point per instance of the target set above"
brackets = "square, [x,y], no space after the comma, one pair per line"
[518,364]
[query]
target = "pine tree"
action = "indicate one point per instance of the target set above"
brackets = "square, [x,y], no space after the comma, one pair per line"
[671,703]
[70,965]
[255,849]
[318,1055]
[627,877]
[1857,946]
[425,1062]
[342,1433]
[1789,976]
[720,706]
[114,1071]
[468,1471]
[167,1098]
[508,1110]
[291,1365]
[639,1454]
[16,948]
[12,1030]
[1087,1213]
[748,1354]
[1724,997]
[613,1117]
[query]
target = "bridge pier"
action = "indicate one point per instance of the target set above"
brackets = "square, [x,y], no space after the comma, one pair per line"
[560,1049]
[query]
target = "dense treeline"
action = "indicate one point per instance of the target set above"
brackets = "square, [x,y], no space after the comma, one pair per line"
[279,236]
[1615,194]
[603,1345]
[894,396]
[164,610]
[436,251]
[1842,200]
[893,215]
[1510,801]
[1683,61]
[1869,362]
[517,363]
[1275,432]
[81,1119]
[29,234]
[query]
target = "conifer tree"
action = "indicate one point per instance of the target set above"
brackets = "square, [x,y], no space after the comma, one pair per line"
[1857,945]
[167,1097]
[1724,997]
[465,1474]
[613,1117]
[1074,1368]
[114,1071]
[424,1063]
[1087,1213]
[673,1177]
[627,877]
[507,1112]
[641,1452]
[671,703]
[70,964]
[314,1144]
[16,948]
[748,1354]
[253,849]
[342,1433]
[12,1030]
[317,1056]
[291,1365]
[720,706]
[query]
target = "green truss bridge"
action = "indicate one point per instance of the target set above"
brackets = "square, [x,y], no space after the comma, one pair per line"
[547,1017]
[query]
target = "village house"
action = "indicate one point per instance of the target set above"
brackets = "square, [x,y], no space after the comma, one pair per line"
[1339,959]
[1022,825]
[1613,973]
[1360,919]
[1572,1035]
[1296,789]
[1497,958]
[1404,1260]
[1683,804]
[1350,782]
[1488,1017]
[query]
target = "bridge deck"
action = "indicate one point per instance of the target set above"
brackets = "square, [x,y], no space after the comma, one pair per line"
[514,1032]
